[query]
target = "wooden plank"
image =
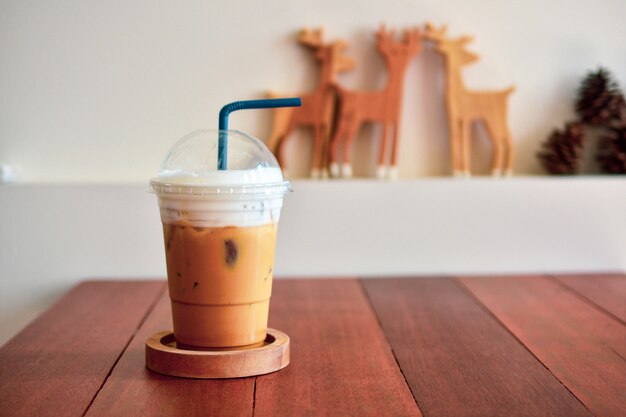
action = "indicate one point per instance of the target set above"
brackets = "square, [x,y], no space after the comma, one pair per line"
[582,346]
[134,390]
[341,364]
[55,366]
[457,359]
[608,291]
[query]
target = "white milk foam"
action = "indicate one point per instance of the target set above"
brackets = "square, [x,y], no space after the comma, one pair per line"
[257,176]
[241,198]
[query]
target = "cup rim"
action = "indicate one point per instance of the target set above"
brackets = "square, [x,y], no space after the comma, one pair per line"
[273,189]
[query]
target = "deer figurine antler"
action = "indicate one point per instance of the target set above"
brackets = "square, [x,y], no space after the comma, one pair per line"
[433,34]
[318,106]
[383,106]
[312,38]
[465,107]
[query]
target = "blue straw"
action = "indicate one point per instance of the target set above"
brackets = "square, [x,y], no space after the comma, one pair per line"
[269,103]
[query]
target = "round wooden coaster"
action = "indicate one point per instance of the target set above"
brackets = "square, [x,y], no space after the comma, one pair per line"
[164,357]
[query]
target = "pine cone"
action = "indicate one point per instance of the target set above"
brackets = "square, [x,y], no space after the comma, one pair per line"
[561,152]
[611,154]
[600,101]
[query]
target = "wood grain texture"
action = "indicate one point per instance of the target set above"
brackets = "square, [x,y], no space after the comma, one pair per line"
[457,359]
[133,390]
[608,291]
[341,364]
[581,345]
[56,365]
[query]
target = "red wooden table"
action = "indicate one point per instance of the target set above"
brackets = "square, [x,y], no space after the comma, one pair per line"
[498,346]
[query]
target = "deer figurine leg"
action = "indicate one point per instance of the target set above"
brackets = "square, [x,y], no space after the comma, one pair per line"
[392,174]
[332,152]
[280,129]
[333,165]
[280,154]
[317,153]
[455,147]
[496,165]
[495,136]
[381,169]
[280,120]
[466,137]
[273,142]
[323,152]
[346,167]
[510,154]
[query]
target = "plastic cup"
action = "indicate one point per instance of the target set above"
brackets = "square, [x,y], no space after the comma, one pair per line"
[219,229]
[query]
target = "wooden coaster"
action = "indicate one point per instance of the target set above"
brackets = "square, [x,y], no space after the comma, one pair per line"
[164,357]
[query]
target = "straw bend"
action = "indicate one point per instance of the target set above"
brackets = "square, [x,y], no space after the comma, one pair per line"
[255,104]
[244,105]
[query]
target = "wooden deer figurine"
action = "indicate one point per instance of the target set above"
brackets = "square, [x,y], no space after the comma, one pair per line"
[465,106]
[318,106]
[383,106]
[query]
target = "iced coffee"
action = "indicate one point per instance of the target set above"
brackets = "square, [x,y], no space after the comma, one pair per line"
[221,282]
[219,230]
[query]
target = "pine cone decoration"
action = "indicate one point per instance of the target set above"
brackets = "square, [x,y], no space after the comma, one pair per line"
[561,153]
[600,102]
[611,153]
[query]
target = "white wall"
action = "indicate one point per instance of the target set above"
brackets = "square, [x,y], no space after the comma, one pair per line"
[98,90]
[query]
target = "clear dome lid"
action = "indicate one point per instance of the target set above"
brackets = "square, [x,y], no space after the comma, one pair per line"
[191,166]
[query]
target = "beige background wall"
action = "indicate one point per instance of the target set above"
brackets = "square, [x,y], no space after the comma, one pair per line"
[99,90]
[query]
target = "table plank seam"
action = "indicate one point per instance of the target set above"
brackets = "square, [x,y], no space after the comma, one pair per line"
[406,381]
[616,353]
[458,282]
[382,330]
[254,396]
[586,300]
[130,339]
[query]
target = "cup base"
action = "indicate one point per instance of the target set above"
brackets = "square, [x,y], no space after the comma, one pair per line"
[220,326]
[183,346]
[163,355]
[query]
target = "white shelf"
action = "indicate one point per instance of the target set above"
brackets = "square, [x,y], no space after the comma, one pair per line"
[445,225]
